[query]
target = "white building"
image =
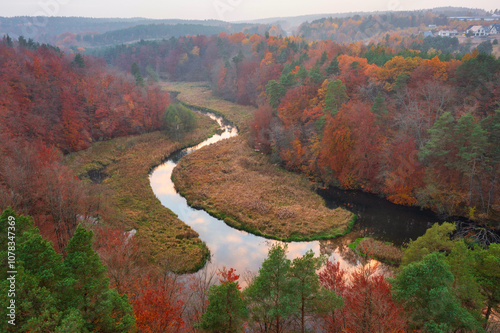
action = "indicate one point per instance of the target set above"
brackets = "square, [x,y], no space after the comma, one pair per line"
[494,29]
[476,30]
[447,33]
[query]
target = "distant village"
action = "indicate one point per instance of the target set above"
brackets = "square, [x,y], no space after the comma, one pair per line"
[472,31]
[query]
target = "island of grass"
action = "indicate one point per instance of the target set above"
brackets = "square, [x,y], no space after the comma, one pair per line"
[123,165]
[381,251]
[234,183]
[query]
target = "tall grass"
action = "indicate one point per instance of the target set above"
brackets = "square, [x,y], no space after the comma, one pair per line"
[233,183]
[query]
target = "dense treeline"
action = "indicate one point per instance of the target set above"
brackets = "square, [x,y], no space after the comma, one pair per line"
[51,103]
[71,101]
[150,31]
[419,128]
[54,25]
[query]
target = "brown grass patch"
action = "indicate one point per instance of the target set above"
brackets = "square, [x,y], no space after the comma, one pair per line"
[127,162]
[380,250]
[232,182]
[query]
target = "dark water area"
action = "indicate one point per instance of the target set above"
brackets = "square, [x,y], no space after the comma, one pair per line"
[380,218]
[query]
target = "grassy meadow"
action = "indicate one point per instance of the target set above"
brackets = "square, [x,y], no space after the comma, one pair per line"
[232,182]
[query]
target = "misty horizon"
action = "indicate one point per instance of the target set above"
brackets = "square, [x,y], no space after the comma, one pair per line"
[224,10]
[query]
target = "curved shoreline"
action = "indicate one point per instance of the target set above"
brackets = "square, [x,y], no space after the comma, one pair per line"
[292,211]
[240,226]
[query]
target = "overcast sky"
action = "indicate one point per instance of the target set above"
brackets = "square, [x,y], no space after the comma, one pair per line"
[229,10]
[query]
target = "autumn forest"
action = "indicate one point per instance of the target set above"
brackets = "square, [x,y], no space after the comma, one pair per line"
[361,103]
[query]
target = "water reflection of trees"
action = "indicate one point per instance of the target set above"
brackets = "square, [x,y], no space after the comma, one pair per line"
[338,250]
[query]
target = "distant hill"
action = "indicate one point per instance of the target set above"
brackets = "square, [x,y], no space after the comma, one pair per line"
[53,26]
[459,11]
[291,24]
[375,27]
[64,30]
[165,31]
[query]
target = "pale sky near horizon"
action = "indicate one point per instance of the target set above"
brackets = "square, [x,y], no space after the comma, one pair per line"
[228,10]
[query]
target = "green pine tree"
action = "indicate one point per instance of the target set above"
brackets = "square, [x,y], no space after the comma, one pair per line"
[136,72]
[302,74]
[315,74]
[379,108]
[488,276]
[424,288]
[304,270]
[336,95]
[272,296]
[436,238]
[323,59]
[86,288]
[226,309]
[78,61]
[53,295]
[274,93]
[333,67]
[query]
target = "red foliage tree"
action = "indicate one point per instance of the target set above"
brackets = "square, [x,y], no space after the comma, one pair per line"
[367,303]
[157,307]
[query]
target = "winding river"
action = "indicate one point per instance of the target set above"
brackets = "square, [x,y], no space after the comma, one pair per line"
[245,252]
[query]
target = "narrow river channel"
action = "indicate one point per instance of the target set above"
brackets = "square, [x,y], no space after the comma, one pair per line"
[245,252]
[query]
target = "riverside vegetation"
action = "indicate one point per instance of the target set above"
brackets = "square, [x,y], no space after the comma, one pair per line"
[126,162]
[199,96]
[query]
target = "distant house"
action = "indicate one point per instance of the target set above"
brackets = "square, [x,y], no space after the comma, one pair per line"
[428,34]
[447,33]
[476,30]
[494,29]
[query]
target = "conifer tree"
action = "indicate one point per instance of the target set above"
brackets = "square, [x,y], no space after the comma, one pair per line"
[336,95]
[86,288]
[272,296]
